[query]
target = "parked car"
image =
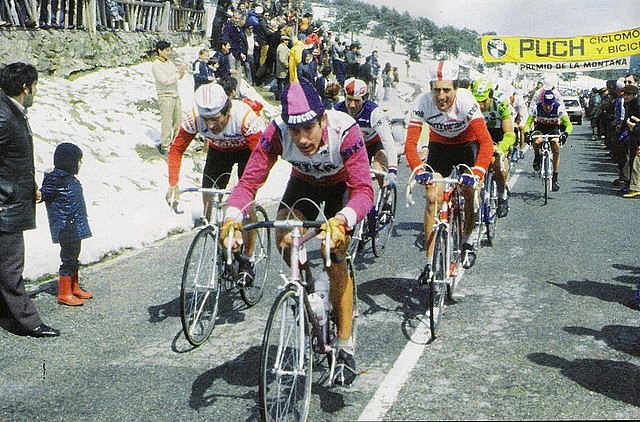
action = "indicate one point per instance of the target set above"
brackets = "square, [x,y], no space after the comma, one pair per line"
[574,109]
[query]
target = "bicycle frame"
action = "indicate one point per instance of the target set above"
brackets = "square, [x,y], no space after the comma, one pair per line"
[545,150]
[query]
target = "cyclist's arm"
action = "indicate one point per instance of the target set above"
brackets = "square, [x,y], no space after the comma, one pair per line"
[509,135]
[176,150]
[252,128]
[262,159]
[358,176]
[411,143]
[566,122]
[380,122]
[529,123]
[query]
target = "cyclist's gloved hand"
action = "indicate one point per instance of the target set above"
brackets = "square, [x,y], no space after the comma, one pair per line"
[390,177]
[527,137]
[563,137]
[337,228]
[173,197]
[468,180]
[229,225]
[424,177]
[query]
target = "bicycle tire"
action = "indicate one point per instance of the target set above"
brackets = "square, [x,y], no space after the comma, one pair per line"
[355,312]
[546,175]
[454,243]
[200,287]
[438,281]
[385,218]
[262,254]
[491,217]
[285,387]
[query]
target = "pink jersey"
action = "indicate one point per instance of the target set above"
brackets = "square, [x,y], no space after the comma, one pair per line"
[342,158]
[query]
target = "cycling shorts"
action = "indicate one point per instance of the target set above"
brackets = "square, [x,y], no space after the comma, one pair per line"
[442,158]
[218,163]
[333,196]
[547,130]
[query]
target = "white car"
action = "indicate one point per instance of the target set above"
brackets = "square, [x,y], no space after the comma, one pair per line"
[574,109]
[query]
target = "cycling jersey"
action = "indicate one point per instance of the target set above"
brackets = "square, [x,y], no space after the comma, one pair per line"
[242,132]
[340,159]
[374,125]
[493,117]
[555,117]
[462,123]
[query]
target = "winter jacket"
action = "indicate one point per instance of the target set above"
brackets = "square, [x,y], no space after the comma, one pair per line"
[66,208]
[17,173]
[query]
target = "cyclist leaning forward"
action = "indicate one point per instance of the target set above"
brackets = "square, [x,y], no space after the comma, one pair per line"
[231,130]
[374,125]
[330,165]
[497,116]
[458,135]
[549,116]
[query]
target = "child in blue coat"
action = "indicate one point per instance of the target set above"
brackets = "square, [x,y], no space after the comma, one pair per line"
[62,193]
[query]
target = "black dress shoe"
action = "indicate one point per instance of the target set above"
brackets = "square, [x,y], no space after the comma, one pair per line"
[43,330]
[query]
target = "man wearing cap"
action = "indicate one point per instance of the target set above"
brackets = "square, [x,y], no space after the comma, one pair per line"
[458,135]
[330,165]
[230,128]
[166,75]
[632,114]
[282,64]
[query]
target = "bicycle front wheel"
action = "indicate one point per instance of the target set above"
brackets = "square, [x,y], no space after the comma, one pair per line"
[438,281]
[286,363]
[384,219]
[546,175]
[200,289]
[262,258]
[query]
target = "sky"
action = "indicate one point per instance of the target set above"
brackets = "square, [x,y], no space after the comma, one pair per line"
[541,18]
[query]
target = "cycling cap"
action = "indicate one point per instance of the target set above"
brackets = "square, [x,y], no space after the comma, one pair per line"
[444,71]
[481,89]
[548,97]
[209,99]
[355,87]
[301,104]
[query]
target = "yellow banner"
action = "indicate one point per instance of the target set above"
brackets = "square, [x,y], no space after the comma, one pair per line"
[496,48]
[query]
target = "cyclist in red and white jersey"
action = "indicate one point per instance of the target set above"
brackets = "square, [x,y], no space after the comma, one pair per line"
[458,135]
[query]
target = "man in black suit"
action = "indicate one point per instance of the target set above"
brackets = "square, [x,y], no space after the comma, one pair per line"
[18,196]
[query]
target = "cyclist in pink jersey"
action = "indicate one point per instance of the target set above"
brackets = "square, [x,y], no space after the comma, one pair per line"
[329,164]
[458,135]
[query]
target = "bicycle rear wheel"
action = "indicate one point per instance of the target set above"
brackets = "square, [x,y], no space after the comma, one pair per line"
[438,281]
[200,288]
[286,363]
[262,258]
[546,175]
[385,218]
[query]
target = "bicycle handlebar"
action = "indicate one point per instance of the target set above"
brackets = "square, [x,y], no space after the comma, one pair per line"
[212,191]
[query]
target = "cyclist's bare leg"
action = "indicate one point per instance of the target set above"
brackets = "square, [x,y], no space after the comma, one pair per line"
[341,292]
[555,149]
[468,192]
[249,238]
[434,201]
[501,172]
[380,163]
[207,205]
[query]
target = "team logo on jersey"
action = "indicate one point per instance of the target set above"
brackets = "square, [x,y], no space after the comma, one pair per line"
[497,48]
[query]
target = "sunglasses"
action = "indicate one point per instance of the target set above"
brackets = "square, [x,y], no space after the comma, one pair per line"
[628,82]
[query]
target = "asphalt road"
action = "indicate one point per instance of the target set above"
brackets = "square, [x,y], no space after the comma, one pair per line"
[544,327]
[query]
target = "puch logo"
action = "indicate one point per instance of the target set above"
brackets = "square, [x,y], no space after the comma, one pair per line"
[496,47]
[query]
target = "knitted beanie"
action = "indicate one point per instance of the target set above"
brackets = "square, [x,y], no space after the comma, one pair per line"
[67,157]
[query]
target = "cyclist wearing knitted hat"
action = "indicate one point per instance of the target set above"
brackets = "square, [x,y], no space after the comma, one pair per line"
[329,164]
[458,135]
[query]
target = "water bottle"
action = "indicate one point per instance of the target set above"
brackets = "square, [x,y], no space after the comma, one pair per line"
[321,285]
[317,306]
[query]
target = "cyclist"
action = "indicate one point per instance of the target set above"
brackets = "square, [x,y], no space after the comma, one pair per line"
[458,135]
[549,117]
[231,129]
[519,115]
[330,165]
[374,125]
[497,116]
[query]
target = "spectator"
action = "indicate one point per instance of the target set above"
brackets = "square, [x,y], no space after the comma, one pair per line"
[166,75]
[331,95]
[594,110]
[234,32]
[352,57]
[221,17]
[68,222]
[375,72]
[295,57]
[340,69]
[249,63]
[387,79]
[222,58]
[282,64]
[306,70]
[204,69]
[18,82]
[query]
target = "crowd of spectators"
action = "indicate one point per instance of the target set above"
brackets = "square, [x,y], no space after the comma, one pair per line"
[609,109]
[275,42]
